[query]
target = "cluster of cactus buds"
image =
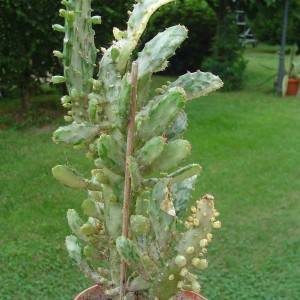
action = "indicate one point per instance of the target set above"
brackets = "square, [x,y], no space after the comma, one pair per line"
[164,248]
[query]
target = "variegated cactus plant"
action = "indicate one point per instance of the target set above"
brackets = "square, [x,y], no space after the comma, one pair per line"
[164,247]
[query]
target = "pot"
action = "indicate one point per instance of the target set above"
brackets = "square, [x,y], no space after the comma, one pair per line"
[293,86]
[97,293]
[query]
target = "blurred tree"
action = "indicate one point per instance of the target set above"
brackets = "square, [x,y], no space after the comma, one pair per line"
[26,43]
[266,22]
[201,23]
[226,58]
[113,13]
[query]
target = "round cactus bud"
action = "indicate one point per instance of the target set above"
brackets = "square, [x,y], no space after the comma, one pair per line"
[190,250]
[70,17]
[118,34]
[217,224]
[59,28]
[68,119]
[159,91]
[193,209]
[67,105]
[58,54]
[63,13]
[180,261]
[195,261]
[203,243]
[196,287]
[196,222]
[187,225]
[66,99]
[203,263]
[200,263]
[74,93]
[58,79]
[180,284]
[190,218]
[171,277]
[184,272]
[216,213]
[209,197]
[96,20]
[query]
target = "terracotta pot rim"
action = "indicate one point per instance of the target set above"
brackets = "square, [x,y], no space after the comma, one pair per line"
[85,291]
[189,294]
[294,79]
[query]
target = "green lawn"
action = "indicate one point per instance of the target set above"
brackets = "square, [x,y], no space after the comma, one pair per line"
[248,143]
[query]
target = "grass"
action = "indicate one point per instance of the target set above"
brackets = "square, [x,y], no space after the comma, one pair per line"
[248,144]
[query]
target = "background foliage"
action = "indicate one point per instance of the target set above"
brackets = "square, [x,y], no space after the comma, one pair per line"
[27,40]
[201,23]
[26,44]
[267,23]
[227,59]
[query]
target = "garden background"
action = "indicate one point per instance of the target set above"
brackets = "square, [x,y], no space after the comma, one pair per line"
[246,139]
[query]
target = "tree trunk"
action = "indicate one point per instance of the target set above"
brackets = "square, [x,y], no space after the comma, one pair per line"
[222,16]
[220,8]
[26,94]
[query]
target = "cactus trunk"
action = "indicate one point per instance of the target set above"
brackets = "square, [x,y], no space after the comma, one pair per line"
[136,145]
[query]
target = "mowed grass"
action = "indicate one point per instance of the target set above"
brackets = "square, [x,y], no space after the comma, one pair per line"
[248,144]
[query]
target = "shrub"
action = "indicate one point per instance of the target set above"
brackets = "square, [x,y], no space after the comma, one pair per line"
[26,44]
[227,57]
